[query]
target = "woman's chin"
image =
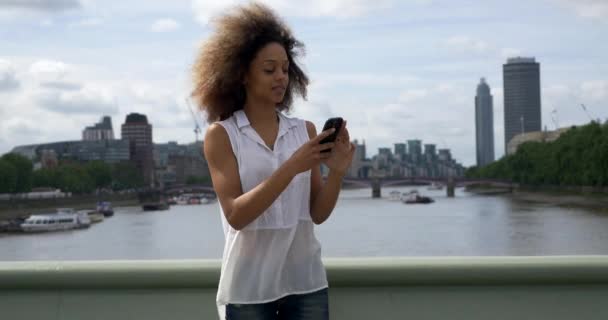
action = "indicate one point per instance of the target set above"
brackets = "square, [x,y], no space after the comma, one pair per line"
[277,100]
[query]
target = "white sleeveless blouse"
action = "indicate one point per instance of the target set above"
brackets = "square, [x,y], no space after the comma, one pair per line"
[277,254]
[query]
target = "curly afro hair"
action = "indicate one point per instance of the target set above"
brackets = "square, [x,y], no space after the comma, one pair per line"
[225,57]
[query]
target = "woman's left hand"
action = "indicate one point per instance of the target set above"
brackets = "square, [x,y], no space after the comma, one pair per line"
[342,153]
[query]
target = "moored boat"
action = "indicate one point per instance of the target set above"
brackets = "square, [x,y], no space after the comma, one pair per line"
[435,186]
[152,199]
[64,219]
[105,208]
[96,216]
[413,197]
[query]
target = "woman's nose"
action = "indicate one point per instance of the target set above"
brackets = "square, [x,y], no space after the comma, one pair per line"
[280,75]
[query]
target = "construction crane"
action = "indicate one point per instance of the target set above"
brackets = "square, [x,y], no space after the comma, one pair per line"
[587,112]
[197,127]
[554,118]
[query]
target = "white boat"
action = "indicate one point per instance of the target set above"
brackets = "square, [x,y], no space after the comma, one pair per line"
[64,219]
[435,186]
[192,199]
[413,197]
[183,200]
[95,216]
[394,195]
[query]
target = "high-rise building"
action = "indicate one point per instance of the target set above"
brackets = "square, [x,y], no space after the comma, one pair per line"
[521,81]
[399,149]
[484,124]
[360,153]
[100,131]
[444,155]
[429,149]
[359,168]
[384,151]
[414,148]
[430,152]
[138,132]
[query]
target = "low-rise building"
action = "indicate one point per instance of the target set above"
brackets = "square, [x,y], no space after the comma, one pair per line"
[537,136]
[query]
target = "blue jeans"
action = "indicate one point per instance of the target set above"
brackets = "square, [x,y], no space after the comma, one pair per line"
[309,306]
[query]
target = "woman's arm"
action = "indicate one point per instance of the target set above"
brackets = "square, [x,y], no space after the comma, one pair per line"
[241,208]
[323,197]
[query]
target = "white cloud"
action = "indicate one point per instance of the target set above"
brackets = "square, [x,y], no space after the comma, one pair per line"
[8,78]
[41,5]
[47,23]
[21,127]
[509,53]
[204,10]
[164,25]
[588,8]
[412,95]
[467,44]
[562,103]
[596,91]
[89,99]
[326,80]
[88,22]
[48,70]
[53,74]
[440,114]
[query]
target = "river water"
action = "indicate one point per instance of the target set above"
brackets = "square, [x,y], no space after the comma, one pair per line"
[467,225]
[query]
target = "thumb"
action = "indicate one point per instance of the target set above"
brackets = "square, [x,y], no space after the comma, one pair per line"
[322,135]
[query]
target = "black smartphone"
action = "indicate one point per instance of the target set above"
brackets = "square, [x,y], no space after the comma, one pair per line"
[335,123]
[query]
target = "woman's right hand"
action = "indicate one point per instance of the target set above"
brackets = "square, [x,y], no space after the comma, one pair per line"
[309,154]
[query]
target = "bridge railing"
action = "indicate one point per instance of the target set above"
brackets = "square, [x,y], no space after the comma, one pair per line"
[555,287]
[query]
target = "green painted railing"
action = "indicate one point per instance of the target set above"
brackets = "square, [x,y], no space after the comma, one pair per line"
[554,287]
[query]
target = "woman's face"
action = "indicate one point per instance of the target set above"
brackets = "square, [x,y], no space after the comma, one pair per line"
[267,77]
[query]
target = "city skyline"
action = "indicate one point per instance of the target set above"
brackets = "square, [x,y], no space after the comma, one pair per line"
[143,134]
[395,70]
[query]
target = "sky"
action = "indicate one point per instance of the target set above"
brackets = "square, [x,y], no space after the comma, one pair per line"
[395,70]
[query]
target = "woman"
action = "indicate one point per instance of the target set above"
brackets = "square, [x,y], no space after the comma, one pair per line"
[265,168]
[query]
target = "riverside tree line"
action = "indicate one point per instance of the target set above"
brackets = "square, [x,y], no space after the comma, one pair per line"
[17,176]
[579,157]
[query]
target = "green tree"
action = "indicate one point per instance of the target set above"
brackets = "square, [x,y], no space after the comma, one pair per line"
[8,177]
[197,180]
[126,176]
[23,167]
[100,172]
[45,177]
[74,178]
[578,157]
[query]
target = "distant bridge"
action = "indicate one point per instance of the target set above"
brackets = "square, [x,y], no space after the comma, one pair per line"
[183,188]
[376,184]
[458,182]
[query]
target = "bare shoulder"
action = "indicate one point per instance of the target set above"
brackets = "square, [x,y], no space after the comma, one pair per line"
[216,132]
[216,140]
[312,130]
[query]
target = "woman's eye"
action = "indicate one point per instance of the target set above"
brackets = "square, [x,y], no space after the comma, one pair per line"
[269,71]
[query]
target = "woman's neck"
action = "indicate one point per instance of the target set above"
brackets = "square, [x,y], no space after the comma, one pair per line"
[260,115]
